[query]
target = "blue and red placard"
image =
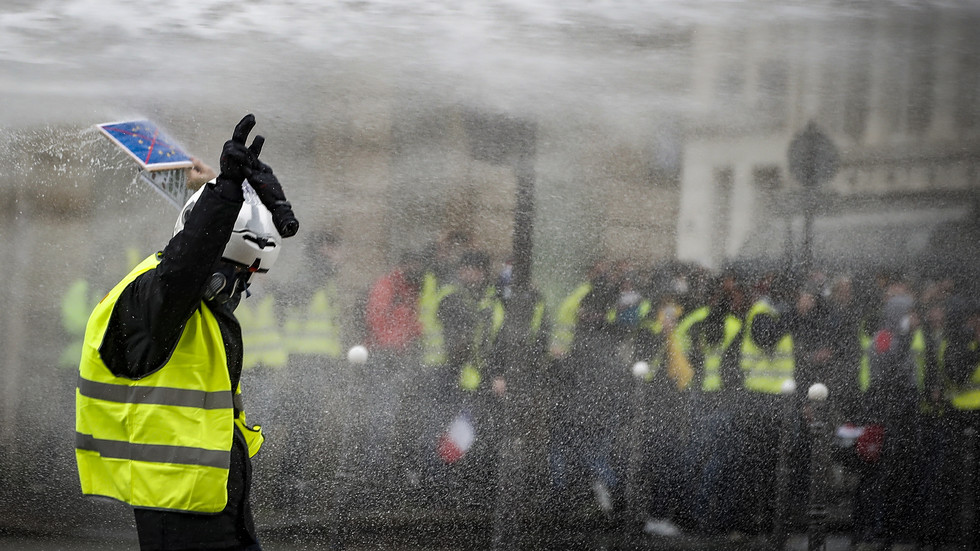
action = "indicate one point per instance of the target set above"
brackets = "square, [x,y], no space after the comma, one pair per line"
[145,142]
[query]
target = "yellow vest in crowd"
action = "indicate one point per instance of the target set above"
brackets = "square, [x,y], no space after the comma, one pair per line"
[713,355]
[470,374]
[260,334]
[766,372]
[711,374]
[433,339]
[162,441]
[315,329]
[966,397]
[566,319]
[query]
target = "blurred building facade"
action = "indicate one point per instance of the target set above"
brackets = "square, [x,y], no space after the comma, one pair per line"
[897,94]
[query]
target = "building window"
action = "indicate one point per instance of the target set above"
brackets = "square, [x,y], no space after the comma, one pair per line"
[967,96]
[767,178]
[922,77]
[858,85]
[773,86]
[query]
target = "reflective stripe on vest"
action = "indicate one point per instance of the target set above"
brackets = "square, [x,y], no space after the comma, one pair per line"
[314,330]
[765,372]
[162,441]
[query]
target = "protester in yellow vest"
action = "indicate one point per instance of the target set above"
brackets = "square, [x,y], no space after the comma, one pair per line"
[962,365]
[710,335]
[264,345]
[312,322]
[767,363]
[431,295]
[76,305]
[159,419]
[471,317]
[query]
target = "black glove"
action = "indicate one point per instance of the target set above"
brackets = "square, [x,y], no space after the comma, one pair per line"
[267,187]
[236,159]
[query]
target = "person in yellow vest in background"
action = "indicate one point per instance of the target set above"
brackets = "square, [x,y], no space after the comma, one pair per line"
[519,357]
[264,360]
[711,336]
[76,305]
[664,342]
[159,415]
[937,435]
[311,388]
[767,362]
[888,511]
[584,464]
[426,406]
[962,366]
[471,317]
[560,341]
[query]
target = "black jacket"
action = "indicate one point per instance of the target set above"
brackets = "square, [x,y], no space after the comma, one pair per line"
[143,331]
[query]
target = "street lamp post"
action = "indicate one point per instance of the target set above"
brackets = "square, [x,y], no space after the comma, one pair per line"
[813,160]
[788,416]
[819,468]
[510,141]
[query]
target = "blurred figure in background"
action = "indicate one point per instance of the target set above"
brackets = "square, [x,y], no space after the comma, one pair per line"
[962,366]
[664,344]
[936,436]
[471,316]
[711,340]
[316,379]
[767,362]
[844,333]
[423,416]
[888,494]
[394,342]
[582,459]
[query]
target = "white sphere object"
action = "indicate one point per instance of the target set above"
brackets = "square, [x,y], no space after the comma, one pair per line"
[641,369]
[357,354]
[818,392]
[788,387]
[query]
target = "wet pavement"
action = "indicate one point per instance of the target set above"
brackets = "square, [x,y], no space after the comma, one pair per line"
[115,543]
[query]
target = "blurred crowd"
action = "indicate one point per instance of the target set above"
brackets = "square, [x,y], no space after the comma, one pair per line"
[668,393]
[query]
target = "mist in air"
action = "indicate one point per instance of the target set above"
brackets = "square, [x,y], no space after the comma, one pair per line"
[643,135]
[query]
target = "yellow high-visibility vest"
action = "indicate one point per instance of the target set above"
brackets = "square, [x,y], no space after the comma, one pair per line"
[162,441]
[864,369]
[713,355]
[683,330]
[76,305]
[431,295]
[470,374]
[315,329]
[766,372]
[566,319]
[261,339]
[966,397]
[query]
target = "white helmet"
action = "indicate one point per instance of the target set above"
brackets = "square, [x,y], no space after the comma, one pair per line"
[254,242]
